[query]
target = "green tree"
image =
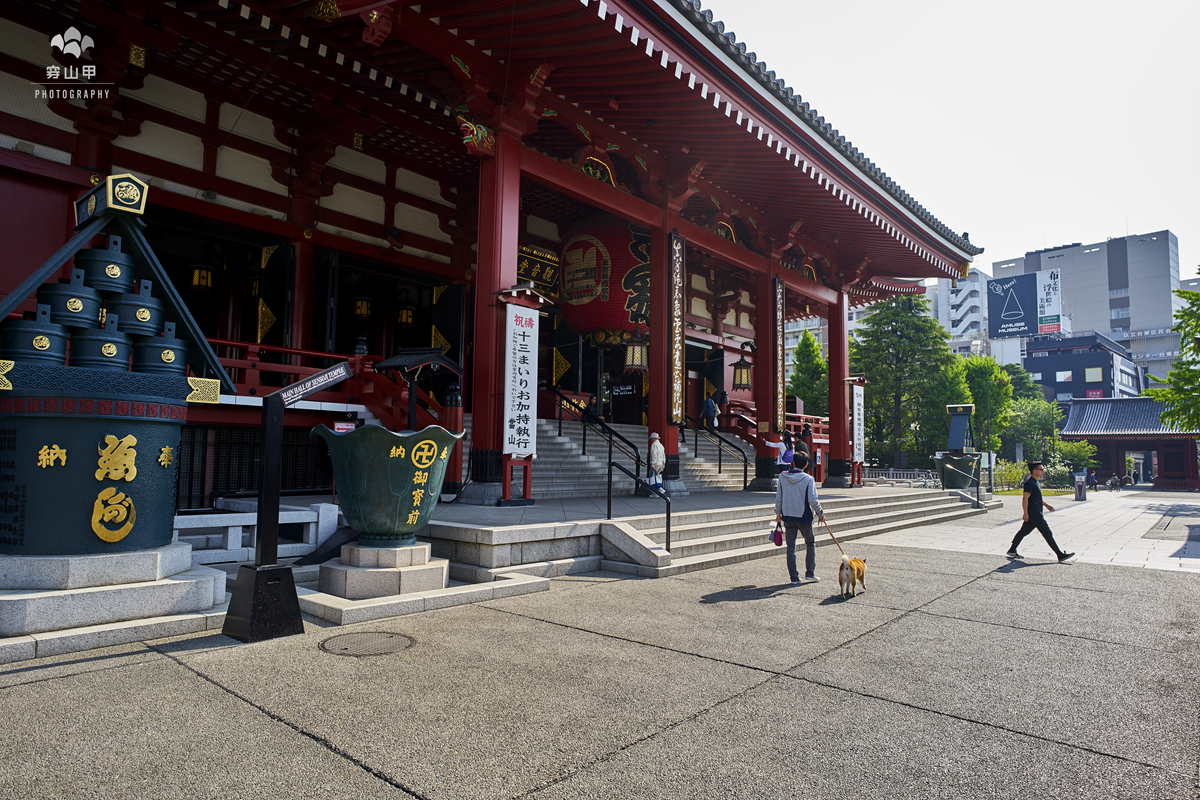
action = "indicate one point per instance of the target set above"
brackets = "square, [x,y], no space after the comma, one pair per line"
[810,376]
[1022,382]
[898,347]
[1032,423]
[1180,392]
[943,388]
[992,389]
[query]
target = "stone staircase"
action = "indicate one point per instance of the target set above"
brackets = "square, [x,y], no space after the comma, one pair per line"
[562,470]
[706,539]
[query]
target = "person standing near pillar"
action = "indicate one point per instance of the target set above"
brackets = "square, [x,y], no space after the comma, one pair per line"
[1031,512]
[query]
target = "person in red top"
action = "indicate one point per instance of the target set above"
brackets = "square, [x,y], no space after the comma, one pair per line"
[1031,513]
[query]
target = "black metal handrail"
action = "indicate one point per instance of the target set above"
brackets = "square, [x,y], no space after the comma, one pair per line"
[588,417]
[722,444]
[977,478]
[640,482]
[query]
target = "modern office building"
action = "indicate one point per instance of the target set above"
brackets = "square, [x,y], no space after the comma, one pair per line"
[1122,287]
[1084,364]
[961,307]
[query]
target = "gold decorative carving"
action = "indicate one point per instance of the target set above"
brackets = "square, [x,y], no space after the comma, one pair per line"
[166,457]
[137,56]
[48,455]
[109,349]
[74,305]
[204,390]
[127,192]
[424,453]
[41,342]
[143,314]
[92,202]
[168,356]
[112,506]
[112,271]
[6,366]
[117,458]
[96,181]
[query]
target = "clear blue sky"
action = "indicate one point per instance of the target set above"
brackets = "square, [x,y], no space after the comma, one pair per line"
[1026,124]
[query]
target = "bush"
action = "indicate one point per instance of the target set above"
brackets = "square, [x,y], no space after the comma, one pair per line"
[1009,475]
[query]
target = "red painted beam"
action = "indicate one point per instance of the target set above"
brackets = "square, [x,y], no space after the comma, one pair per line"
[572,182]
[33,166]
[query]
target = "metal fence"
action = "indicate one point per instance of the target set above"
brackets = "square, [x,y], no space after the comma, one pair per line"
[222,461]
[898,474]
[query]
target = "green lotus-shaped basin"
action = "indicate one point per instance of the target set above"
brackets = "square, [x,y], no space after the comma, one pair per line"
[388,483]
[964,473]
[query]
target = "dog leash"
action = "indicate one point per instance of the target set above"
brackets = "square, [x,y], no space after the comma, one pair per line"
[831,536]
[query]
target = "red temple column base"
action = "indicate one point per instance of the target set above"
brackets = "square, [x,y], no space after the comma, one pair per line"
[838,474]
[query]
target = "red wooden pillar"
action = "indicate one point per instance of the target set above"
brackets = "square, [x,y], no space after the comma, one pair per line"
[764,381]
[838,467]
[499,207]
[659,413]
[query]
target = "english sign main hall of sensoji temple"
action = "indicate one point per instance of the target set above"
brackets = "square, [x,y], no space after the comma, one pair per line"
[333,180]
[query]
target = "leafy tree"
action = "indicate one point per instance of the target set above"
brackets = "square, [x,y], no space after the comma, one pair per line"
[941,389]
[987,379]
[810,376]
[897,349]
[1079,454]
[1180,392]
[1022,382]
[1032,423]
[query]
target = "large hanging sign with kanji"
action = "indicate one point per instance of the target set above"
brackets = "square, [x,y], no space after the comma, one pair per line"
[520,381]
[780,388]
[676,248]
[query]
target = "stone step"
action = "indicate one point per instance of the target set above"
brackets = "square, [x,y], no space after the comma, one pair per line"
[841,520]
[37,611]
[693,563]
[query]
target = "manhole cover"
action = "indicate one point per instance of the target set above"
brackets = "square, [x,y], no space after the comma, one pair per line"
[368,643]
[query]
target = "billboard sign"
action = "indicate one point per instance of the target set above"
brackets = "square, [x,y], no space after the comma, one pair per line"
[1025,305]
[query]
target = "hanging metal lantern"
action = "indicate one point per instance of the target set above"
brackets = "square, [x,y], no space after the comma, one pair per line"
[202,279]
[637,354]
[362,308]
[404,311]
[743,370]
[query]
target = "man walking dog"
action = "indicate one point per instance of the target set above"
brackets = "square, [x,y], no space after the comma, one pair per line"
[795,505]
[1031,513]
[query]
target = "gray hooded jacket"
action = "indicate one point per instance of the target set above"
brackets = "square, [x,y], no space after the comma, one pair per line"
[794,487]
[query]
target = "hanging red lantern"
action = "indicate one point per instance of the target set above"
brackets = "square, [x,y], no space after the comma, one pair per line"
[604,274]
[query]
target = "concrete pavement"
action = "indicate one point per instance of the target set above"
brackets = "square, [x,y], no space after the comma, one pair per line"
[957,674]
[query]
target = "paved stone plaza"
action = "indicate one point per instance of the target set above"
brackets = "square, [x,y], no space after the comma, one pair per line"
[958,674]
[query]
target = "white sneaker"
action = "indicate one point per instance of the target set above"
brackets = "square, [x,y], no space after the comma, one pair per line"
[812,579]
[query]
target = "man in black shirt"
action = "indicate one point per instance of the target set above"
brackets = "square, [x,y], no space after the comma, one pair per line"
[1031,513]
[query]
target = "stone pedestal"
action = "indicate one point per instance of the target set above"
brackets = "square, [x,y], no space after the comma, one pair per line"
[369,572]
[56,593]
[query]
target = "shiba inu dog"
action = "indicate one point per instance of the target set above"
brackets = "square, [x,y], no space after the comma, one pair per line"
[852,570]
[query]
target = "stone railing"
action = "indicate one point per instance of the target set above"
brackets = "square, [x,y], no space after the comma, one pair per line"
[230,536]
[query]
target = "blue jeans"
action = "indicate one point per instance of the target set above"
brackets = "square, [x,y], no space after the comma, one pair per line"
[810,556]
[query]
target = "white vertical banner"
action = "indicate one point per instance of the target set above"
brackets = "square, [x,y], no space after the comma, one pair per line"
[520,381]
[860,441]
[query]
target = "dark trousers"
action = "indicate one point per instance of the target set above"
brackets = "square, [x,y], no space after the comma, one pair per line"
[810,555]
[1040,524]
[710,423]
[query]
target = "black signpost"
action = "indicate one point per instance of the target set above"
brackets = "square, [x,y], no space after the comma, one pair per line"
[264,604]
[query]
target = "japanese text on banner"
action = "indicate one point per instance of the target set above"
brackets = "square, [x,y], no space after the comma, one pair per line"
[520,381]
